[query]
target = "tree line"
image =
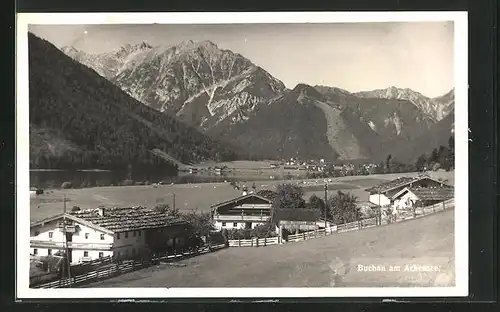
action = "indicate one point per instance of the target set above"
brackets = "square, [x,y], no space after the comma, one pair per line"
[442,157]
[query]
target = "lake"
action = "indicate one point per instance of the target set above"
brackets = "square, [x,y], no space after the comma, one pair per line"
[90,178]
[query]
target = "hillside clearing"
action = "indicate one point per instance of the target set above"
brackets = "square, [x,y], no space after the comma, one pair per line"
[321,262]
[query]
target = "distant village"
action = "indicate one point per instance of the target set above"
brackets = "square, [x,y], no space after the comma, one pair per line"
[314,168]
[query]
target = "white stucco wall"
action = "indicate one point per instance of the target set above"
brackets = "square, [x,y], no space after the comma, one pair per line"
[128,243]
[92,243]
[401,202]
[230,225]
[379,199]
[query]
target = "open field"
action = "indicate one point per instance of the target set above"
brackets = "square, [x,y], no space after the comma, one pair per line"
[187,196]
[321,262]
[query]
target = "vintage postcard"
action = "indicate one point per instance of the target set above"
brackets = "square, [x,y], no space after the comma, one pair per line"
[180,155]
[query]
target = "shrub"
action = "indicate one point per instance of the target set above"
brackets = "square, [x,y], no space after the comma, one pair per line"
[66,185]
[76,208]
[262,231]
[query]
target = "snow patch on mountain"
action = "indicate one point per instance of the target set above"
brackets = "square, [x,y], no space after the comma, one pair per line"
[436,108]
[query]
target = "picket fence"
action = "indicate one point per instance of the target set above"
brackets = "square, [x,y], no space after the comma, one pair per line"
[121,267]
[346,227]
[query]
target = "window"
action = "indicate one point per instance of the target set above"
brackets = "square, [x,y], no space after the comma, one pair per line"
[86,235]
[117,235]
[101,254]
[126,234]
[51,234]
[49,252]
[135,233]
[85,253]
[118,254]
[35,251]
[223,223]
[139,232]
[235,224]
[102,236]
[37,233]
[133,251]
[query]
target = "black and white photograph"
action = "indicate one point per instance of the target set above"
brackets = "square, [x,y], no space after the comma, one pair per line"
[311,154]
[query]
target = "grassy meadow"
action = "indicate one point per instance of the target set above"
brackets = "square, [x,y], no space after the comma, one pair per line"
[321,262]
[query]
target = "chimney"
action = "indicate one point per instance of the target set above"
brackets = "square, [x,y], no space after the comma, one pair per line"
[245,190]
[254,188]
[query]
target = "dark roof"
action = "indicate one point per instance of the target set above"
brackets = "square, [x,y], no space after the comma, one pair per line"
[437,193]
[297,214]
[127,219]
[367,204]
[399,182]
[242,198]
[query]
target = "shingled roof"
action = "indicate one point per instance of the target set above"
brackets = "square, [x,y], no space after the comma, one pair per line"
[241,198]
[437,193]
[127,219]
[399,182]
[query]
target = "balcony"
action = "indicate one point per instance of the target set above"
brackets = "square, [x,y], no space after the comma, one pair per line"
[72,245]
[241,218]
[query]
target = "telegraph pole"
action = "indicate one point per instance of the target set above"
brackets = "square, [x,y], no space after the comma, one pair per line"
[68,265]
[326,200]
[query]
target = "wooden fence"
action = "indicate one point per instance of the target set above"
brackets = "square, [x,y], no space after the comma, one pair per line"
[121,267]
[342,228]
[254,242]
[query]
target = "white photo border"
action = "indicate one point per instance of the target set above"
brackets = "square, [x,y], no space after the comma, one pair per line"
[461,146]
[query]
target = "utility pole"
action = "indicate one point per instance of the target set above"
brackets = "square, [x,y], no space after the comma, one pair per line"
[173,200]
[326,200]
[379,211]
[68,265]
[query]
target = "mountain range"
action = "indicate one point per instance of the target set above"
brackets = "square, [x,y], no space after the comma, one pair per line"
[79,119]
[227,97]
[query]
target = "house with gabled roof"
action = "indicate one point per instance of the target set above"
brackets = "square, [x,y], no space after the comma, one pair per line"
[243,212]
[381,194]
[117,232]
[412,197]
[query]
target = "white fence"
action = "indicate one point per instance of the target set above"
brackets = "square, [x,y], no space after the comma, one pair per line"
[346,227]
[254,242]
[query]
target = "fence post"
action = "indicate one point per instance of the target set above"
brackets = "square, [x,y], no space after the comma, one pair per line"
[444,206]
[304,235]
[257,242]
[251,242]
[265,241]
[433,208]
[239,242]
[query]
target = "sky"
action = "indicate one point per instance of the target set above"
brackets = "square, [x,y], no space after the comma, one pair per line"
[352,56]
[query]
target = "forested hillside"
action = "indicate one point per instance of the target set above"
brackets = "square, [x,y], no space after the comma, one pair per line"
[79,119]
